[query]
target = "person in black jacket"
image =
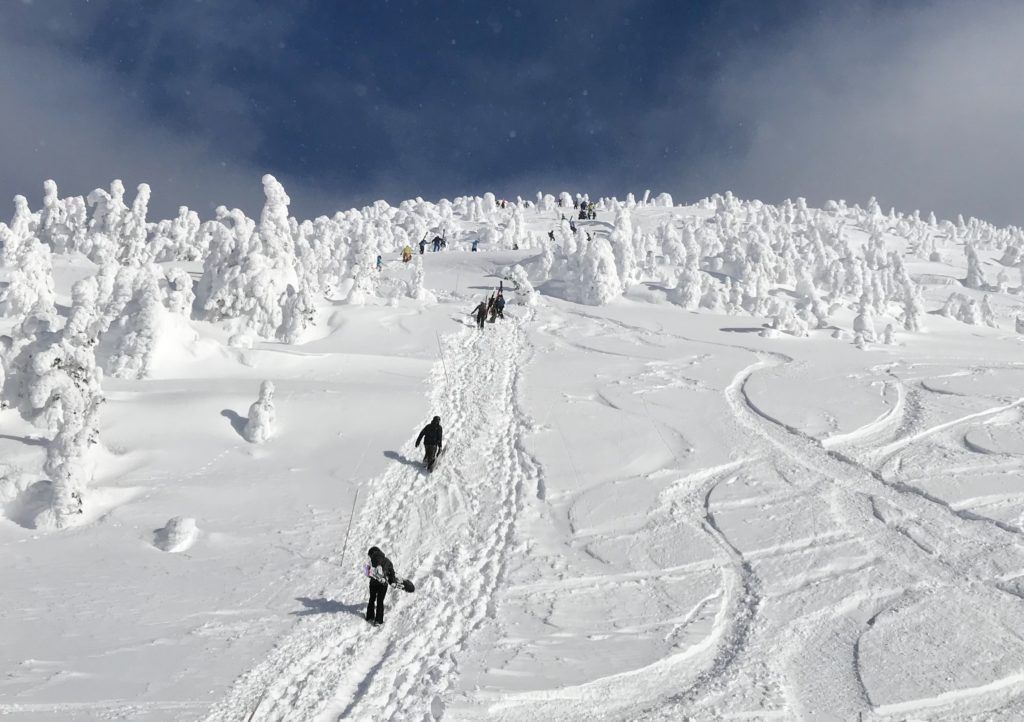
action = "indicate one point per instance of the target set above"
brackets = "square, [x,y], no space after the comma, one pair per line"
[382,573]
[481,314]
[431,438]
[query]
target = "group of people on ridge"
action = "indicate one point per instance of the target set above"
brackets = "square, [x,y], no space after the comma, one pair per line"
[586,209]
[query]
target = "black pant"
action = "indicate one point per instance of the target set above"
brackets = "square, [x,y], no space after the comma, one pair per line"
[377,592]
[431,455]
[480,318]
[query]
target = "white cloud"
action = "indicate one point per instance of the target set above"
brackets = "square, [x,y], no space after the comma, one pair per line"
[922,108]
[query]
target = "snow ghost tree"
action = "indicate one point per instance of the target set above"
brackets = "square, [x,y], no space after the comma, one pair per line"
[131,240]
[176,290]
[31,285]
[913,307]
[864,323]
[59,386]
[246,277]
[260,425]
[105,226]
[975,276]
[599,280]
[297,312]
[135,329]
[417,287]
[62,222]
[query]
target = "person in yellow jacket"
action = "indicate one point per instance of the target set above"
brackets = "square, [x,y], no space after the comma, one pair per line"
[406,254]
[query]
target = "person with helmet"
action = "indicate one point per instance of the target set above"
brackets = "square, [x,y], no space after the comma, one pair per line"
[381,573]
[431,438]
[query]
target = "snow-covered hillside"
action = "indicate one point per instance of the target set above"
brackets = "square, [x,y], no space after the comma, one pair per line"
[717,460]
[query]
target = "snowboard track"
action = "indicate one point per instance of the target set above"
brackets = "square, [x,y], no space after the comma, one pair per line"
[450,531]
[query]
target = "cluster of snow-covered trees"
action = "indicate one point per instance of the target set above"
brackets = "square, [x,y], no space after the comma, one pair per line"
[263,278]
[790,264]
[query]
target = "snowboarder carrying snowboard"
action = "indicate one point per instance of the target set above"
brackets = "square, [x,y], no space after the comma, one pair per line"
[431,438]
[382,573]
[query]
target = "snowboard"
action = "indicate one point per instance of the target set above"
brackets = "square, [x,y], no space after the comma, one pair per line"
[405,585]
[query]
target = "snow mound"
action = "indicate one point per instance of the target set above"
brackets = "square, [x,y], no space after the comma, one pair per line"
[177,536]
[22,499]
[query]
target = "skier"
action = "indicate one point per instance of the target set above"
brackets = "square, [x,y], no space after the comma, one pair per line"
[572,225]
[437,243]
[423,245]
[499,306]
[481,314]
[406,254]
[431,438]
[551,235]
[380,263]
[475,241]
[382,573]
[492,308]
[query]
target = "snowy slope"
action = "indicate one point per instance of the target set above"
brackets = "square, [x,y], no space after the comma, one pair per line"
[645,511]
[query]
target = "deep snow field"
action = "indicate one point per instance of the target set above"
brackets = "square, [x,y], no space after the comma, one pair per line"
[645,510]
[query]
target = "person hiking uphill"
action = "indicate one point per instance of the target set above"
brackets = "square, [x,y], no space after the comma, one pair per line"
[481,314]
[382,573]
[431,438]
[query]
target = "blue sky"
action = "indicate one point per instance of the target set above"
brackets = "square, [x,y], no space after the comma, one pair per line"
[917,102]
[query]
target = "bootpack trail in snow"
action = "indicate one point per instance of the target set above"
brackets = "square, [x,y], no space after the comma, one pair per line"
[451,531]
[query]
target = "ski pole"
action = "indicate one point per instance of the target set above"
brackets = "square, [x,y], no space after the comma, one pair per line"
[351,515]
[440,352]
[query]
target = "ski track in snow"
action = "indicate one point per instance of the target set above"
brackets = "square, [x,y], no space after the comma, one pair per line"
[928,543]
[449,531]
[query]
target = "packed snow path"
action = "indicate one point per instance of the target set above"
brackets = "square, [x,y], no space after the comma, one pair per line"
[450,531]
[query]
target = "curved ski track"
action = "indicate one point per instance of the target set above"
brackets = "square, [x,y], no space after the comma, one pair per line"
[450,531]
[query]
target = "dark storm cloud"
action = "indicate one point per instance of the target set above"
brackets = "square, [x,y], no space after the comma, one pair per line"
[916,103]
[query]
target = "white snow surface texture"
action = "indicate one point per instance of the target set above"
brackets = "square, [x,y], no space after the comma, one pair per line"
[718,461]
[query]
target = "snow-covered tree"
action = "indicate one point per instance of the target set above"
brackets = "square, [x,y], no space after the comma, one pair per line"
[913,307]
[132,237]
[297,313]
[176,291]
[988,315]
[106,224]
[261,423]
[62,222]
[599,280]
[31,285]
[135,329]
[864,323]
[975,276]
[525,292]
